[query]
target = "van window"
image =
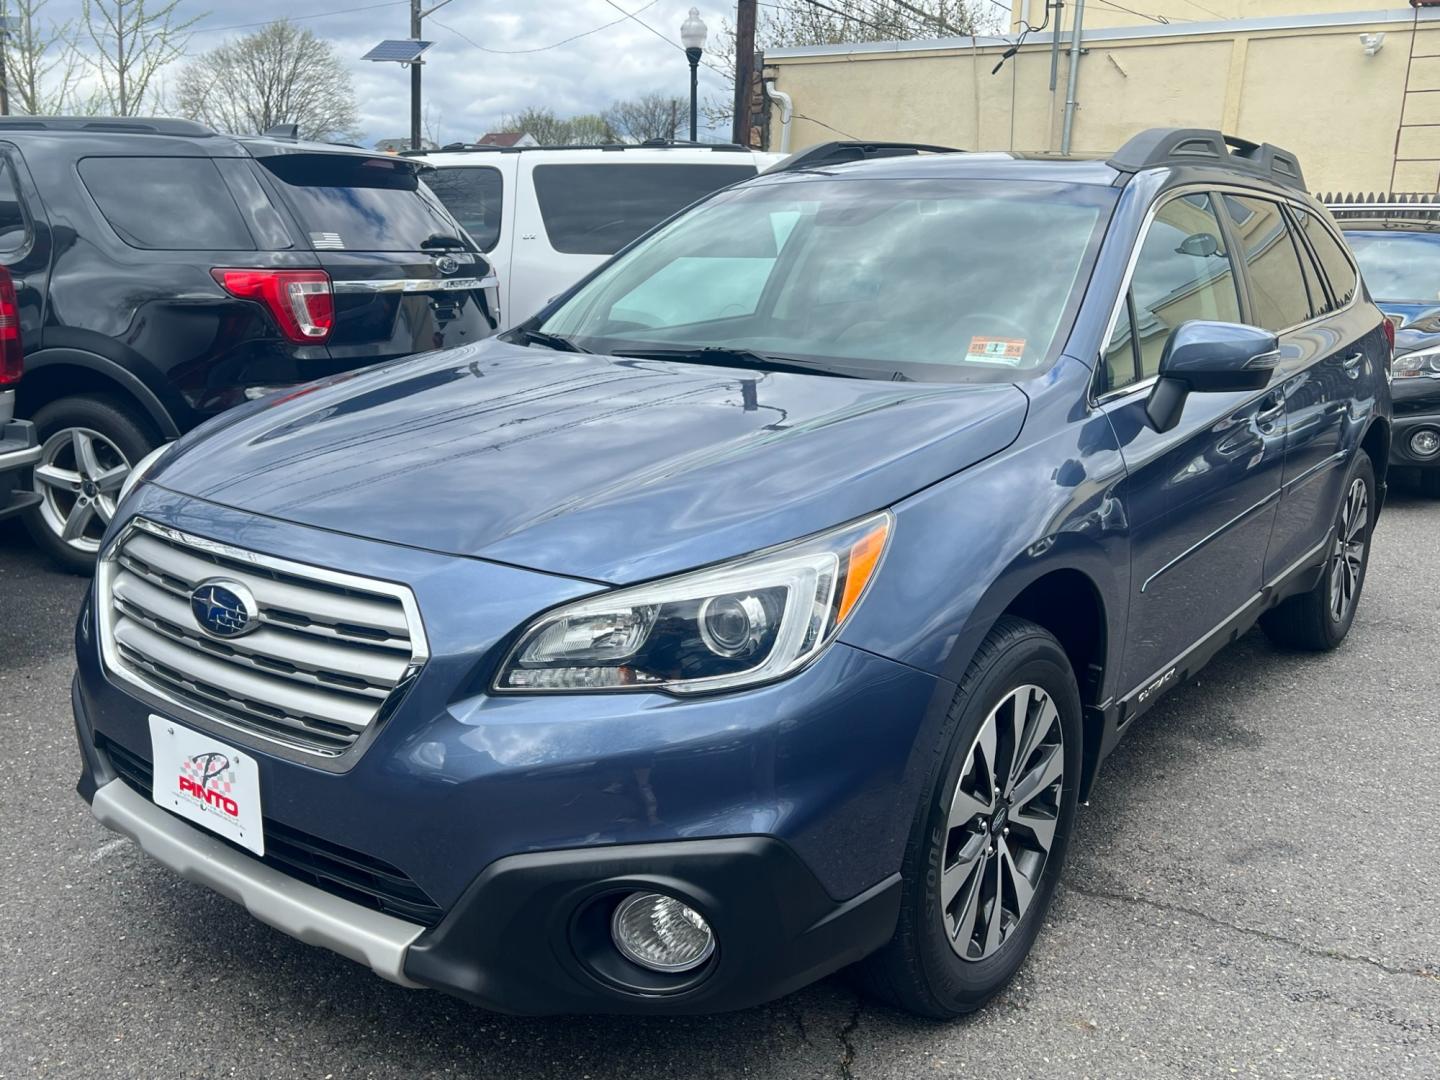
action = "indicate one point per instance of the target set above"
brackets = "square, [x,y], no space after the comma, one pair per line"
[1183,272]
[346,202]
[1333,261]
[1278,295]
[166,203]
[474,195]
[598,209]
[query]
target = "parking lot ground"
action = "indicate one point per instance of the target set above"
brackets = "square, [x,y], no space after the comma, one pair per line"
[1254,890]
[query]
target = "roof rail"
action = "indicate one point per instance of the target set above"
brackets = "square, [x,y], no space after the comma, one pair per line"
[1204,146]
[841,151]
[106,124]
[648,144]
[1404,206]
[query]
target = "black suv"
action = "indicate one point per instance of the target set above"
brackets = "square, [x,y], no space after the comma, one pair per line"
[165,273]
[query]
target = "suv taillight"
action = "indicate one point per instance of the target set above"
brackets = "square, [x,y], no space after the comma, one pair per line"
[12,352]
[301,300]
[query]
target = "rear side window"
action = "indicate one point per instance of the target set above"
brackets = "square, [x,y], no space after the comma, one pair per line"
[1183,272]
[598,209]
[1338,270]
[14,225]
[1278,295]
[474,195]
[346,202]
[166,203]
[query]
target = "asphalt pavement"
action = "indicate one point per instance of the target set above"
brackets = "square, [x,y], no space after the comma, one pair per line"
[1254,890]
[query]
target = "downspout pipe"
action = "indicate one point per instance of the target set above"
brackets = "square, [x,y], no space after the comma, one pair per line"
[1074,73]
[787,110]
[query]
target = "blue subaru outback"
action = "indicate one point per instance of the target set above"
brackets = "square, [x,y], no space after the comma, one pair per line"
[766,603]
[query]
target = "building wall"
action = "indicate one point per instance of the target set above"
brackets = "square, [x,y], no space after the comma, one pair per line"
[1301,81]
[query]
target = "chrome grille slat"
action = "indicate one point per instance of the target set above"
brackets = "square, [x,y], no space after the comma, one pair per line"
[329,651]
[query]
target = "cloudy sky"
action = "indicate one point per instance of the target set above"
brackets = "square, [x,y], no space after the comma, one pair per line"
[490,57]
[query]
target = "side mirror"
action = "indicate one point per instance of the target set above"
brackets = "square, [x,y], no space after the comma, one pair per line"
[1209,358]
[1201,245]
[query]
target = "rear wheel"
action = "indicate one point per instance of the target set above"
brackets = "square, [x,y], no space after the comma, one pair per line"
[87,446]
[990,836]
[1318,620]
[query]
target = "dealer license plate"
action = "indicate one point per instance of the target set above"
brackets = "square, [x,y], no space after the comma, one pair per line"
[212,784]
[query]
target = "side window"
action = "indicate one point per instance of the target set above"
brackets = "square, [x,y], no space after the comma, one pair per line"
[166,203]
[1183,272]
[1278,295]
[14,225]
[1333,260]
[474,194]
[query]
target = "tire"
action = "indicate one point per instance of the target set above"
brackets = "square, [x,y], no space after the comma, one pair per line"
[87,447]
[920,970]
[1318,620]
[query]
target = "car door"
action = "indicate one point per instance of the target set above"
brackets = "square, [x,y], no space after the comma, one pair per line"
[1324,362]
[1200,499]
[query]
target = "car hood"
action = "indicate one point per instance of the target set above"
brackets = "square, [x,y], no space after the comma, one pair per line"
[597,467]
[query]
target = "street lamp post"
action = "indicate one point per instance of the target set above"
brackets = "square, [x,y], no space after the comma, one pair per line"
[692,36]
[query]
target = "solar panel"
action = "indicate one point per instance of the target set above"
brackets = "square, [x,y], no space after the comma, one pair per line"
[399,50]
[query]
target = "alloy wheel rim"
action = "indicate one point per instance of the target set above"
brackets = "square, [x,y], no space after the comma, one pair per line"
[1347,556]
[1001,823]
[78,478]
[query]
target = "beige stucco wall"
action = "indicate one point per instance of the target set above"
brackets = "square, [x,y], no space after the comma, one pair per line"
[1310,89]
[1100,13]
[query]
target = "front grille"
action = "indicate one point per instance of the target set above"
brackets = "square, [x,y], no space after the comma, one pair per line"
[337,870]
[329,651]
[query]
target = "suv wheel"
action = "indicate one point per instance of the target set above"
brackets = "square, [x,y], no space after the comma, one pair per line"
[1318,620]
[87,446]
[990,836]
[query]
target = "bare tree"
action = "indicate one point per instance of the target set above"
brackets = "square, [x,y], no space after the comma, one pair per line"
[550,130]
[281,74]
[133,41]
[803,22]
[652,116]
[41,62]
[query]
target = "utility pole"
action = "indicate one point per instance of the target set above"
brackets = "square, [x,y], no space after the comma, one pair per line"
[744,70]
[417,14]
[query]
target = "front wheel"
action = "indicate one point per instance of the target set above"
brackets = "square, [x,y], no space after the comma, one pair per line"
[1318,620]
[990,836]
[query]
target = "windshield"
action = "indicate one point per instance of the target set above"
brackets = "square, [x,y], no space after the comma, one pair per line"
[1403,268]
[939,280]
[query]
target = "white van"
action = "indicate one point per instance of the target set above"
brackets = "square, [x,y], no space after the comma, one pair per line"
[547,216]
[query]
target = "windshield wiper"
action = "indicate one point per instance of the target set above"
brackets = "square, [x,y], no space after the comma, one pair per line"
[741,358]
[439,240]
[550,341]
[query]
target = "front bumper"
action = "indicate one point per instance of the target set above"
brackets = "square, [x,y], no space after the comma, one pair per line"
[1417,408]
[780,813]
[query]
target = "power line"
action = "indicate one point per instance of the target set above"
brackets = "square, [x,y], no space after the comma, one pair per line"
[541,48]
[1131,11]
[668,41]
[294,18]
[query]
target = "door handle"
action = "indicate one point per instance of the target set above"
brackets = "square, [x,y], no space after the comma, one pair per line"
[1271,409]
[1351,364]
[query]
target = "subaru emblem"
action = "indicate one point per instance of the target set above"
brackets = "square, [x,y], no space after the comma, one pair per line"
[224,609]
[446,264]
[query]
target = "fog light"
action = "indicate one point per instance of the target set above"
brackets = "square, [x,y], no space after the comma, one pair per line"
[660,933]
[1425,443]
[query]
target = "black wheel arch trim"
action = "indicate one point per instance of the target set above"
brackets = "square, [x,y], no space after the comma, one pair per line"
[118,371]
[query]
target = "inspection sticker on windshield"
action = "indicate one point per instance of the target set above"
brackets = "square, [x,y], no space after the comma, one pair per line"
[206,781]
[996,350]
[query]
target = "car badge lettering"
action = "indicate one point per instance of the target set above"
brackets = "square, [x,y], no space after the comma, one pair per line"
[209,779]
[224,609]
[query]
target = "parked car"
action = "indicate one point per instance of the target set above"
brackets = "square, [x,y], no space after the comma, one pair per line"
[165,273]
[548,215]
[687,643]
[18,448]
[1396,240]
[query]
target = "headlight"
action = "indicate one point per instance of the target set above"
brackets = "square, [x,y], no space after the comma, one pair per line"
[138,471]
[1415,364]
[736,624]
